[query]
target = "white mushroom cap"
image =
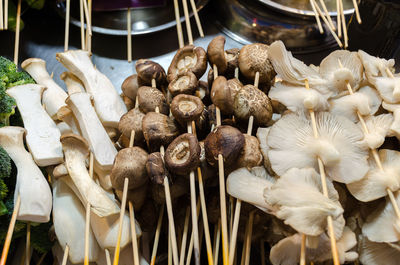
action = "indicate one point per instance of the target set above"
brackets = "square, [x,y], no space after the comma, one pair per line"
[389,88]
[395,109]
[373,253]
[374,66]
[378,129]
[299,200]
[373,186]
[262,136]
[297,98]
[292,144]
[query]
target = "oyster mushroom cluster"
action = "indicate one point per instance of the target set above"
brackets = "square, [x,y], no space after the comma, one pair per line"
[343,114]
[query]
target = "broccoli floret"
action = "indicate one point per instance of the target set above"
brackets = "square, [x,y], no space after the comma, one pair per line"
[40,238]
[5,164]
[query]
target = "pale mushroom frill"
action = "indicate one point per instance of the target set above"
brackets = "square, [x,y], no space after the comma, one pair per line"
[388,88]
[339,146]
[373,186]
[375,66]
[378,128]
[373,253]
[395,109]
[287,251]
[307,211]
[382,224]
[262,136]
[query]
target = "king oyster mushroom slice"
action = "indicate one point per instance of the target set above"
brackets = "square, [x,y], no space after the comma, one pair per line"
[188,59]
[250,101]
[158,129]
[54,96]
[375,66]
[251,155]
[294,71]
[100,144]
[223,93]
[287,251]
[69,224]
[132,121]
[351,72]
[129,163]
[74,85]
[339,146]
[374,184]
[183,84]
[216,54]
[148,70]
[183,154]
[254,58]
[373,253]
[225,140]
[31,185]
[43,136]
[76,151]
[186,108]
[306,212]
[366,101]
[130,86]
[378,128]
[108,104]
[150,98]
[156,169]
[297,98]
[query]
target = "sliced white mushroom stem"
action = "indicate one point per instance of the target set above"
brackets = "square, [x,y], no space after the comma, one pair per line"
[133,232]
[65,256]
[338,18]
[82,24]
[10,231]
[184,237]
[28,243]
[178,24]
[121,220]
[67,17]
[187,21]
[344,26]
[321,29]
[331,233]
[327,14]
[303,250]
[17,29]
[248,238]
[217,236]
[129,36]
[87,231]
[196,17]
[357,11]
[157,236]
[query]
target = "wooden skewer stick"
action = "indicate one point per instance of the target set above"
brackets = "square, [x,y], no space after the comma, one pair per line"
[303,250]
[196,17]
[248,239]
[327,14]
[40,261]
[65,257]
[88,22]
[157,236]
[129,37]
[187,21]
[178,24]
[88,33]
[87,230]
[82,24]
[28,243]
[67,17]
[184,237]
[5,14]
[10,231]
[217,236]
[331,233]
[1,15]
[243,257]
[108,257]
[134,236]
[357,11]
[169,246]
[338,18]
[191,243]
[343,20]
[17,29]
[321,29]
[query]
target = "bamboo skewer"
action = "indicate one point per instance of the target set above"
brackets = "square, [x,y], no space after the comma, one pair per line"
[81,16]
[89,33]
[108,257]
[65,257]
[129,36]
[217,236]
[17,29]
[169,246]
[1,15]
[321,29]
[184,237]
[324,187]
[357,11]
[327,15]
[87,230]
[178,24]
[338,18]
[133,233]
[67,17]
[191,243]
[5,14]
[196,17]
[303,250]
[187,21]
[343,20]
[88,22]
[248,238]
[157,236]
[28,243]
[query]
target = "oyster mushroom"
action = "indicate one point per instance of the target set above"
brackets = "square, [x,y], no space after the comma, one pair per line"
[183,154]
[148,70]
[251,154]
[186,108]
[225,140]
[373,253]
[130,86]
[216,54]
[129,163]
[250,101]
[156,169]
[150,98]
[223,93]
[395,109]
[132,121]
[188,59]
[183,84]
[388,88]
[254,58]
[375,66]
[262,136]
[378,128]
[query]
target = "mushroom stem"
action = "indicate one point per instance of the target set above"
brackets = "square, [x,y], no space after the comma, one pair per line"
[87,230]
[196,17]
[178,24]
[121,219]
[157,236]
[184,237]
[28,243]
[187,21]
[10,231]
[66,252]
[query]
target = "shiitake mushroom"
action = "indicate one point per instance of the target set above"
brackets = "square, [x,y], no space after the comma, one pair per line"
[203,92]
[186,108]
[251,155]
[129,103]
[136,196]
[158,129]
[130,87]
[183,154]
[132,121]
[156,169]
[150,98]
[232,58]
[177,188]
[148,70]
[216,54]
[188,59]
[184,84]
[225,140]
[223,93]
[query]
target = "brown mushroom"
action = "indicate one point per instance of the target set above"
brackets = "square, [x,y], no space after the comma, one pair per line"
[251,155]
[156,169]
[130,87]
[147,217]
[183,84]
[158,130]
[188,59]
[210,77]
[178,188]
[129,163]
[232,58]
[254,58]
[225,140]
[183,154]
[186,108]
[223,93]
[206,170]
[216,54]
[150,98]
[132,121]
[136,196]
[203,92]
[250,101]
[129,103]
[148,70]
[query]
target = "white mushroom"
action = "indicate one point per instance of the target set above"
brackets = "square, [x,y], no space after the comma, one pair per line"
[54,96]
[375,66]
[262,136]
[108,104]
[69,224]
[299,201]
[292,144]
[65,115]
[378,129]
[76,151]
[103,177]
[373,253]
[74,85]
[31,185]
[395,109]
[100,144]
[43,136]
[373,186]
[389,88]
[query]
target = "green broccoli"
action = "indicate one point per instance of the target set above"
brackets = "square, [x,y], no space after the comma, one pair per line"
[5,172]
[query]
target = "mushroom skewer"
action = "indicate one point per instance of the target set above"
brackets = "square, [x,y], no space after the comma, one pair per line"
[178,24]
[327,14]
[187,21]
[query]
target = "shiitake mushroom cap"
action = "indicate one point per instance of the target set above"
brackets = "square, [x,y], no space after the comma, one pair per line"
[130,87]
[232,58]
[186,108]
[223,93]
[129,163]
[129,103]
[156,169]
[251,155]
[178,188]
[225,140]
[150,98]
[216,54]
[203,92]
[188,59]
[132,121]
[250,101]
[183,154]
[136,196]
[148,70]
[184,84]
